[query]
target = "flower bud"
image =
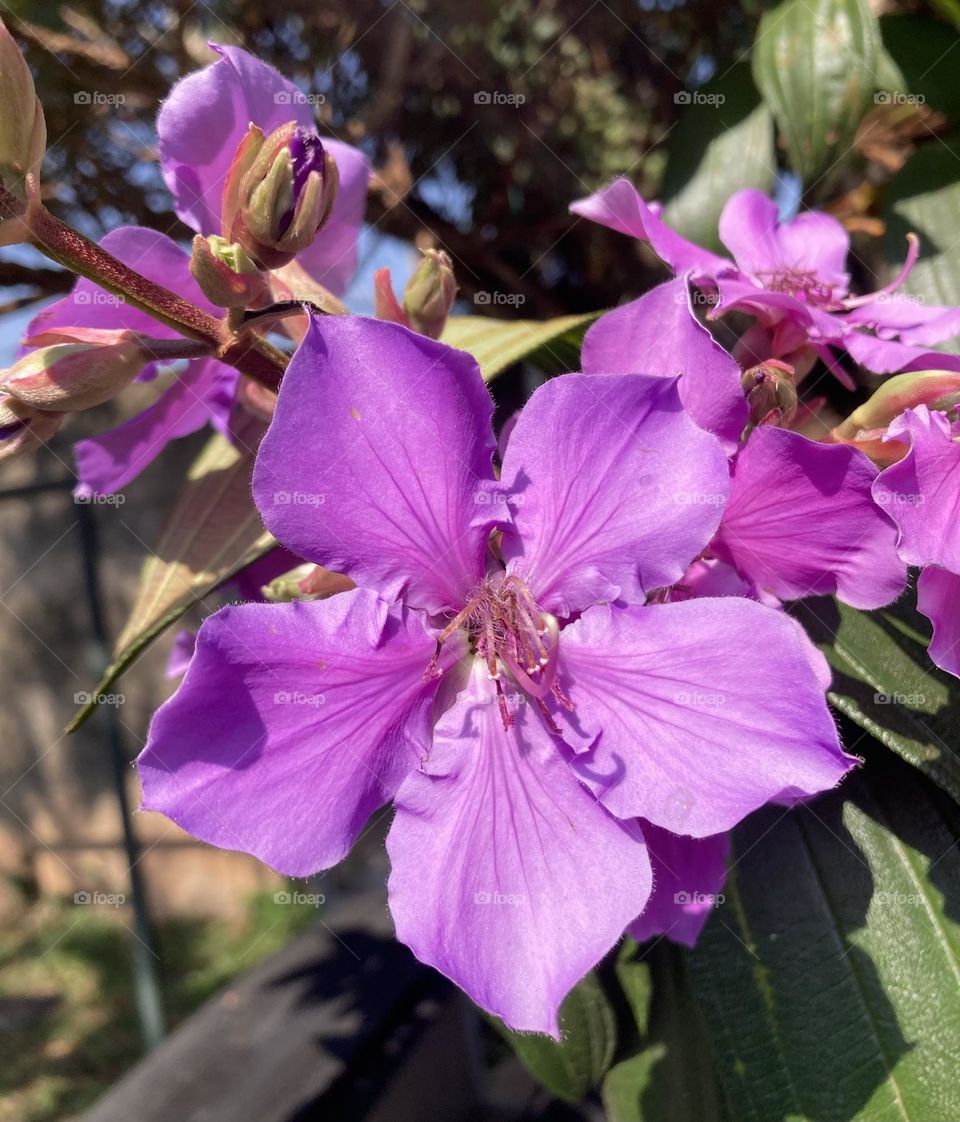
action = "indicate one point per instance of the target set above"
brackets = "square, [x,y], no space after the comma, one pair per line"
[23,137]
[22,429]
[226,273]
[306,582]
[73,376]
[430,293]
[279,192]
[771,393]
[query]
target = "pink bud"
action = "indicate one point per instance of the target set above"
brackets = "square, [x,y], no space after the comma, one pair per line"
[73,376]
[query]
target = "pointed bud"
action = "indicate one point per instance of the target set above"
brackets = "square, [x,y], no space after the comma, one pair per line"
[386,306]
[771,393]
[306,582]
[73,376]
[226,273]
[279,192]
[23,138]
[430,293]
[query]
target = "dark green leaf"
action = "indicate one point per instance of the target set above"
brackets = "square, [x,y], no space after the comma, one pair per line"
[830,976]
[925,52]
[723,143]
[575,1066]
[815,63]
[884,680]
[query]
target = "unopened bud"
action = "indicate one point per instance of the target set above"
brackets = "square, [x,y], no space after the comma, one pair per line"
[279,192]
[771,393]
[386,306]
[72,376]
[22,429]
[226,273]
[934,388]
[23,138]
[306,582]
[430,293]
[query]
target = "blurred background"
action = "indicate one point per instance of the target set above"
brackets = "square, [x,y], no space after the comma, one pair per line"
[484,121]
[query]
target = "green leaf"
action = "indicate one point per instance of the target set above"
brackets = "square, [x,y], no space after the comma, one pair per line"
[884,680]
[499,343]
[577,1064]
[830,976]
[722,143]
[212,532]
[925,53]
[815,63]
[633,973]
[924,198]
[672,1078]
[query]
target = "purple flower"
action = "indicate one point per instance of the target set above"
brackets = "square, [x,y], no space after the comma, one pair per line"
[206,117]
[203,391]
[513,694]
[800,519]
[792,277]
[921,493]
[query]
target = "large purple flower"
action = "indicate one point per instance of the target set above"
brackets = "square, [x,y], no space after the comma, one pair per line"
[921,492]
[511,692]
[792,277]
[800,519]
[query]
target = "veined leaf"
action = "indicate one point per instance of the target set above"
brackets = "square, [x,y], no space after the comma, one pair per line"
[830,976]
[815,63]
[498,343]
[884,680]
[212,532]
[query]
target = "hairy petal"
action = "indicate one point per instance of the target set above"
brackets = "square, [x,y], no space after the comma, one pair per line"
[507,875]
[621,207]
[801,522]
[692,715]
[688,873]
[293,724]
[614,489]
[204,119]
[659,334]
[377,463]
[921,492]
[938,597]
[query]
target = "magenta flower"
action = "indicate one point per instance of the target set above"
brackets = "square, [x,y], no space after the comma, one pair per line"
[792,277]
[514,695]
[921,492]
[800,519]
[204,119]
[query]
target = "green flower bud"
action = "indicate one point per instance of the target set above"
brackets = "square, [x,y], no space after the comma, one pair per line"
[430,294]
[71,376]
[226,273]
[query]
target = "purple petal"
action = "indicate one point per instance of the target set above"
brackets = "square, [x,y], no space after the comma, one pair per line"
[688,874]
[507,875]
[800,522]
[748,228]
[203,393]
[294,723]
[921,492]
[916,323]
[938,597]
[205,118]
[621,207]
[377,463]
[739,295]
[692,715]
[816,243]
[184,644]
[614,490]
[660,335]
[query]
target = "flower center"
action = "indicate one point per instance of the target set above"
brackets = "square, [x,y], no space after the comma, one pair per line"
[505,627]
[802,284]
